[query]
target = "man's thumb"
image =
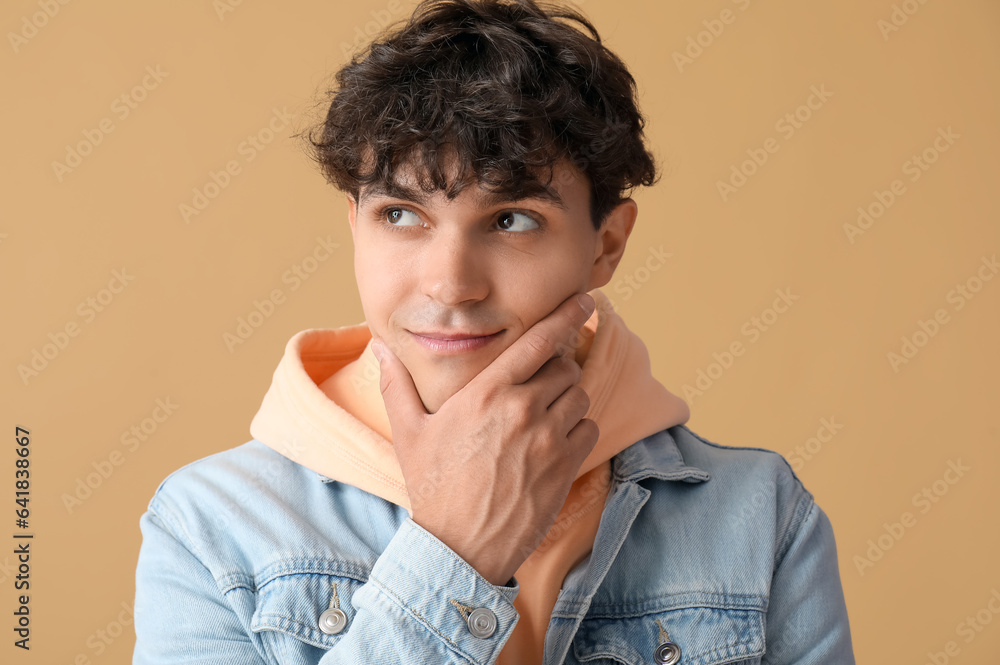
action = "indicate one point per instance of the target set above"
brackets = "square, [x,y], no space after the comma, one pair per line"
[402,403]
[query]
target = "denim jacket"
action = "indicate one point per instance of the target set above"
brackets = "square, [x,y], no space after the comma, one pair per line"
[716,552]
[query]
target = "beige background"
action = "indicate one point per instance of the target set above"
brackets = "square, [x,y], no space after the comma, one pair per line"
[222,75]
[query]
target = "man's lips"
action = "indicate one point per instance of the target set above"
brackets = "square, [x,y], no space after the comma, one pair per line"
[451,343]
[452,336]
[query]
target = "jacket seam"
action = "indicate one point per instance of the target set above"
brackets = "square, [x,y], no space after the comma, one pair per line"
[424,622]
[739,649]
[765,450]
[166,517]
[177,530]
[309,566]
[800,516]
[169,525]
[712,600]
[157,494]
[799,513]
[436,542]
[290,626]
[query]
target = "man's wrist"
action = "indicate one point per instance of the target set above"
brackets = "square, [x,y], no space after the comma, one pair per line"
[473,561]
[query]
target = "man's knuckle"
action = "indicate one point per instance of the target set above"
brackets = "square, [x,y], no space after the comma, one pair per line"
[572,367]
[518,411]
[537,343]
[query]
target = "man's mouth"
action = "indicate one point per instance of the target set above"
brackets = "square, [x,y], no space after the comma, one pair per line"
[449,342]
[452,336]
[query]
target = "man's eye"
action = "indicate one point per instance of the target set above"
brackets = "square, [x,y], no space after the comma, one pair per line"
[397,217]
[515,221]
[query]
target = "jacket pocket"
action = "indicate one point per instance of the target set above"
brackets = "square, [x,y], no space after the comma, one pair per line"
[705,636]
[290,614]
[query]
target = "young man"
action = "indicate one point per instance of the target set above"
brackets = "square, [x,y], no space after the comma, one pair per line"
[485,470]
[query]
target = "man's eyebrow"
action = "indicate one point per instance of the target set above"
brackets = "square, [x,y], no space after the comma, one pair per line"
[381,189]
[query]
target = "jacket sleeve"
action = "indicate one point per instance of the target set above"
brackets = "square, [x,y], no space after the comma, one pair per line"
[180,614]
[806,622]
[403,613]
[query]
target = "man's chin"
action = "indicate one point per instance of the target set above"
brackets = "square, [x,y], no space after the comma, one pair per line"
[438,379]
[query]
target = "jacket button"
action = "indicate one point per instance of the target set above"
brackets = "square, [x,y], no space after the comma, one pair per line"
[482,622]
[332,621]
[667,653]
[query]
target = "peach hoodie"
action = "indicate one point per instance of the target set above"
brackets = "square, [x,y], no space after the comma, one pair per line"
[324,410]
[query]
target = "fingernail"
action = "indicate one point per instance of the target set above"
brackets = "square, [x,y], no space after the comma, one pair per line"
[377,350]
[587,303]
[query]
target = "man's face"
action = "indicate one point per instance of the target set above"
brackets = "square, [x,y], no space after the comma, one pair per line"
[473,268]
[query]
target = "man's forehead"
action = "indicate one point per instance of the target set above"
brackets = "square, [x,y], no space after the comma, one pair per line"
[484,196]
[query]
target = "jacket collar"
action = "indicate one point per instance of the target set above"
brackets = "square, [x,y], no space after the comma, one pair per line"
[656,456]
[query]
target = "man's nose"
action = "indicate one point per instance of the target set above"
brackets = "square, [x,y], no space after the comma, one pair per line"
[454,270]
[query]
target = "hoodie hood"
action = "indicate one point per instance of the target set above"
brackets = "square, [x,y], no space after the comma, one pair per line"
[324,410]
[335,423]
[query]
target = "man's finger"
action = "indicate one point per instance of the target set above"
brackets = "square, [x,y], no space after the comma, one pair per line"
[554,335]
[402,402]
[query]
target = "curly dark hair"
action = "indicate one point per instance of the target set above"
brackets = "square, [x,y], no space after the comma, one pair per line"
[500,85]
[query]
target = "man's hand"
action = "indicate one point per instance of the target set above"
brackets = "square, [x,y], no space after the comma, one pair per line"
[488,473]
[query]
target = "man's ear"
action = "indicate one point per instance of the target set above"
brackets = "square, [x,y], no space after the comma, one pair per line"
[352,211]
[611,242]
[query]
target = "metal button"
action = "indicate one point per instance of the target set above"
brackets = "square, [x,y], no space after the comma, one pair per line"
[482,622]
[667,653]
[332,621]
